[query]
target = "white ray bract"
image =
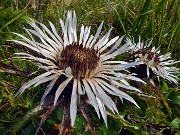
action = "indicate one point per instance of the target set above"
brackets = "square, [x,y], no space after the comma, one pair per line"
[46,79]
[112,41]
[73,104]
[48,89]
[33,81]
[104,97]
[118,92]
[102,110]
[81,91]
[45,44]
[91,95]
[61,88]
[103,40]
[96,35]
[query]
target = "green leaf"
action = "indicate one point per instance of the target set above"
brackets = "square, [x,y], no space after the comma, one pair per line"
[0,100]
[175,123]
[59,114]
[164,87]
[51,121]
[13,19]
[29,130]
[174,97]
[29,102]
[28,18]
[79,123]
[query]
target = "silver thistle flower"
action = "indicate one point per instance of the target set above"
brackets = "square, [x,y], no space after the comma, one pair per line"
[85,62]
[160,65]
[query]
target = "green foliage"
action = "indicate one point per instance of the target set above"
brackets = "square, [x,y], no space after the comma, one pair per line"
[157,19]
[174,97]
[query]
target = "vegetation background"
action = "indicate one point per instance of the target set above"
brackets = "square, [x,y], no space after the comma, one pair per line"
[150,19]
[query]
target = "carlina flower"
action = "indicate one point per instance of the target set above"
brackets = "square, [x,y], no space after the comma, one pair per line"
[154,64]
[85,63]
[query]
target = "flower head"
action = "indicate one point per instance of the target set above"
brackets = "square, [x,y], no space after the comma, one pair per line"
[84,62]
[153,62]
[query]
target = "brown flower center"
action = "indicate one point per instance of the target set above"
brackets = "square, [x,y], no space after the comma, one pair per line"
[146,52]
[81,60]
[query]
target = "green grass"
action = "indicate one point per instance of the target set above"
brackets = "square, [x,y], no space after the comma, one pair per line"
[150,19]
